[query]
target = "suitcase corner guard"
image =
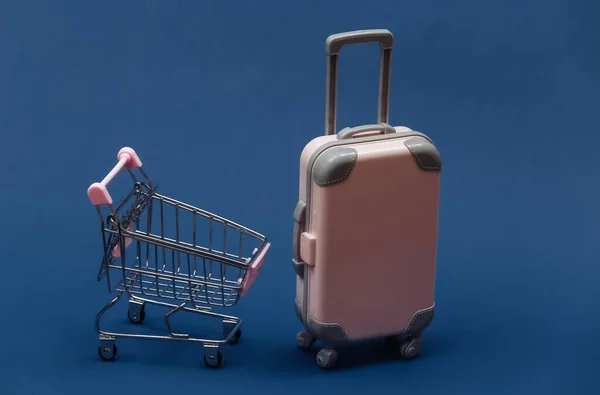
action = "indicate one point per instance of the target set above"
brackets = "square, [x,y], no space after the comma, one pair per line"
[426,155]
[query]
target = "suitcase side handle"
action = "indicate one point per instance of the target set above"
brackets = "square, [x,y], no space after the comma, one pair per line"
[333,45]
[348,133]
[299,222]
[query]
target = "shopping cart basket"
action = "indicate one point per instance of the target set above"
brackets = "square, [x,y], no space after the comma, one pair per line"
[171,264]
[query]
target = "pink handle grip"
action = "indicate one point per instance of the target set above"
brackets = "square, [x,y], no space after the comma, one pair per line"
[97,192]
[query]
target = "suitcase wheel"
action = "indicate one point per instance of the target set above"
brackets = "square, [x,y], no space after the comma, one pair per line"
[304,340]
[411,347]
[326,358]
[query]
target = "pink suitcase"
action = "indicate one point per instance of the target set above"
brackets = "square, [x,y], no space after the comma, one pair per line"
[365,229]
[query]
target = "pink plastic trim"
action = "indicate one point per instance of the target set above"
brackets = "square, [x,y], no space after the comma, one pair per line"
[254,270]
[98,194]
[133,160]
[308,248]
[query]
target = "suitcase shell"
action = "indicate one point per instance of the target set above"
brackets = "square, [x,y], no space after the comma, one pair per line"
[365,225]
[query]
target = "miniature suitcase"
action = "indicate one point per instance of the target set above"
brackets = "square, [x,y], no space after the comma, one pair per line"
[365,226]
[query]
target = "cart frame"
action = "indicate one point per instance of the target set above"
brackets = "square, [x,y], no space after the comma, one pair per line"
[174,285]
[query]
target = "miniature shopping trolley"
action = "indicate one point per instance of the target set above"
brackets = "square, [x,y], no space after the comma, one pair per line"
[160,251]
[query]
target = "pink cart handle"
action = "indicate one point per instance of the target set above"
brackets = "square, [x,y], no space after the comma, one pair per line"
[97,192]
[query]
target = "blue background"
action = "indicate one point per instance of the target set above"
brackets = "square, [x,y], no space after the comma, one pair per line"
[219,98]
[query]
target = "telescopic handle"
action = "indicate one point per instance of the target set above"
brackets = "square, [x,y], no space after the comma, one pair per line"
[333,45]
[335,42]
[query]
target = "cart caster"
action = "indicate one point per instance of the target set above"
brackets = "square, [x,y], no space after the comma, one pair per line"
[212,361]
[212,357]
[411,347]
[228,326]
[326,358]
[136,312]
[107,350]
[304,340]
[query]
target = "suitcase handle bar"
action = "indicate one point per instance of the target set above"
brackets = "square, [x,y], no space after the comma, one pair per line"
[335,42]
[97,192]
[333,45]
[348,133]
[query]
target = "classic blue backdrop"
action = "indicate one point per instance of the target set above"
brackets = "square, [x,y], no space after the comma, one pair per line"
[219,98]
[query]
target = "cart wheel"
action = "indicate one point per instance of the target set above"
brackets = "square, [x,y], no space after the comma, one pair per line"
[213,362]
[411,347]
[136,312]
[236,337]
[304,340]
[326,358]
[107,353]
